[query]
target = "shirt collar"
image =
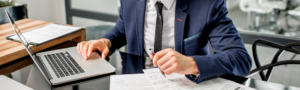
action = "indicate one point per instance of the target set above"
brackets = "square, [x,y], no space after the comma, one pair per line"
[167,3]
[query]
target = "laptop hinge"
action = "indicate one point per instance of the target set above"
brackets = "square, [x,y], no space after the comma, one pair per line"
[43,67]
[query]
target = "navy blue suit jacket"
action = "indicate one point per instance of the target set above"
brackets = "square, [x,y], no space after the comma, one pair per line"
[196,23]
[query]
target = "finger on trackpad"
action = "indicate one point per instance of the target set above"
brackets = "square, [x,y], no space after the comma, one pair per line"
[93,56]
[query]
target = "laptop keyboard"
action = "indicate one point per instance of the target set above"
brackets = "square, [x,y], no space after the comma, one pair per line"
[63,64]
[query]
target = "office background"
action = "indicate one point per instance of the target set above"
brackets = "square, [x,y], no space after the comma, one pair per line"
[55,11]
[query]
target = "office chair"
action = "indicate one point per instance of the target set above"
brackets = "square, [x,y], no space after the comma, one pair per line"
[291,12]
[269,67]
[295,14]
[278,5]
[253,6]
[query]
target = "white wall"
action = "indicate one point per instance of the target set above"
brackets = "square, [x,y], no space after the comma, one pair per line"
[54,10]
[46,10]
[102,6]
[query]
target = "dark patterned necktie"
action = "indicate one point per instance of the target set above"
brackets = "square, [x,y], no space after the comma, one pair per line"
[159,27]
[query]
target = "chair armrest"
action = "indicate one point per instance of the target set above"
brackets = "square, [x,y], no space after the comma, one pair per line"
[287,47]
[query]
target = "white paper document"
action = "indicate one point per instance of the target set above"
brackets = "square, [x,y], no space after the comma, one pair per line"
[46,33]
[152,79]
[10,84]
[224,84]
[180,82]
[130,82]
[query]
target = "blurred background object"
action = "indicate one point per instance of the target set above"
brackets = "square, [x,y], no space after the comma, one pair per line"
[276,21]
[17,10]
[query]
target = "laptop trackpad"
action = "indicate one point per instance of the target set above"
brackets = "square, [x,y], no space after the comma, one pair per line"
[94,56]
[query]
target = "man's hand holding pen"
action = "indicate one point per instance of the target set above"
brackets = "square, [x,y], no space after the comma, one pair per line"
[170,61]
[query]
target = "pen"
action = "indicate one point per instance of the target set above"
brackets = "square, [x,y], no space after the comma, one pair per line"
[152,53]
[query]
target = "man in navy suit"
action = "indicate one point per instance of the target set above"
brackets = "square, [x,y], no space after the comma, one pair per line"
[177,31]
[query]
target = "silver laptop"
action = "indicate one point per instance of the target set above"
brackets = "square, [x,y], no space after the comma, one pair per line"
[64,65]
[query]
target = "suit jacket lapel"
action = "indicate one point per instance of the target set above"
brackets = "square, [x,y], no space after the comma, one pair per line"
[180,18]
[140,14]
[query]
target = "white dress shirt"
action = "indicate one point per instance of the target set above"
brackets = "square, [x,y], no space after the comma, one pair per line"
[168,40]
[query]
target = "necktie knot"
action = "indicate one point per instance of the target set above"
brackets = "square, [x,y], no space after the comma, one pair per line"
[159,6]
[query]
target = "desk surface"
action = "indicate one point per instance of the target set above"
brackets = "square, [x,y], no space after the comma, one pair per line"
[10,50]
[37,82]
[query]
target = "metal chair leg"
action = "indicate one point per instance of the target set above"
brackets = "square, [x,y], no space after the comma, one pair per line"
[257,22]
[287,24]
[248,20]
[272,17]
[298,31]
[272,20]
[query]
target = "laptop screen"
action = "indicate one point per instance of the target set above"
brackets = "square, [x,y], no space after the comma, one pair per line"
[19,34]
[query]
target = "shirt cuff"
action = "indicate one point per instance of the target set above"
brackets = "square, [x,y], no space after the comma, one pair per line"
[194,77]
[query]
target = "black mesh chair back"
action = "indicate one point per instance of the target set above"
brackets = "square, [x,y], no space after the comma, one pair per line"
[269,67]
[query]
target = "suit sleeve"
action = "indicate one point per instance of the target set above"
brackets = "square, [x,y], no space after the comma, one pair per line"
[117,36]
[231,56]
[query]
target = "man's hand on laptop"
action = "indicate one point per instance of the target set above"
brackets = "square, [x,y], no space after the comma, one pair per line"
[86,48]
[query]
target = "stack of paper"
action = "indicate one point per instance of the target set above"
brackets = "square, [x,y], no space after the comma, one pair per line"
[46,33]
[130,82]
[152,79]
